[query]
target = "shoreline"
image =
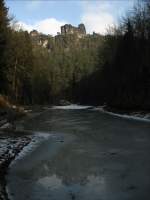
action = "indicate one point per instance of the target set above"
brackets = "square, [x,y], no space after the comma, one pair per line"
[12,139]
[138,115]
[10,146]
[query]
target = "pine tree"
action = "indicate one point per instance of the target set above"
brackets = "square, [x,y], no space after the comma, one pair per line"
[4,23]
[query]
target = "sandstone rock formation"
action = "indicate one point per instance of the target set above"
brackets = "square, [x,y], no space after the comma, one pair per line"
[73,34]
[80,31]
[39,38]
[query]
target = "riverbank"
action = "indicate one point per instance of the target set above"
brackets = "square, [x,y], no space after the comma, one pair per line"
[11,142]
[10,146]
[141,115]
[9,113]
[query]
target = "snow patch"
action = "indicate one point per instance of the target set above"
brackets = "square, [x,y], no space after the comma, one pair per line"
[9,147]
[6,125]
[36,140]
[134,116]
[72,107]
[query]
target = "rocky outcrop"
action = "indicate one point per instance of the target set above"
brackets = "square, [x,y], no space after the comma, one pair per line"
[39,38]
[67,29]
[34,33]
[71,32]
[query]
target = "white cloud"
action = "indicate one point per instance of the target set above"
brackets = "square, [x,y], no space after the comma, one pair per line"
[97,17]
[24,26]
[47,26]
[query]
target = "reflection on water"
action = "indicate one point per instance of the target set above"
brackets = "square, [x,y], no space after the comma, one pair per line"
[106,159]
[91,186]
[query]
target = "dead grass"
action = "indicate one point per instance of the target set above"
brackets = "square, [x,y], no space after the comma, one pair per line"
[4,103]
[9,112]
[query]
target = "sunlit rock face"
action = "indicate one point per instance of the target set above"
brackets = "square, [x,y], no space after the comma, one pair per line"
[69,34]
[34,33]
[67,29]
[39,38]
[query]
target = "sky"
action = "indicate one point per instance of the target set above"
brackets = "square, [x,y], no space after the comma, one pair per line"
[47,16]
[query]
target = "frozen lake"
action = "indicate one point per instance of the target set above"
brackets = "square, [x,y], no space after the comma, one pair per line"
[87,155]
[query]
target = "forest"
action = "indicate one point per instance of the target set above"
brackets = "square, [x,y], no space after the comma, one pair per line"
[111,69]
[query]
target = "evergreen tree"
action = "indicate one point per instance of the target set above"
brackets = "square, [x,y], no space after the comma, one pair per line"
[4,23]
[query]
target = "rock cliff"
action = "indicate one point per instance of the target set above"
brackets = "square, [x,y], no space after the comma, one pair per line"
[71,32]
[80,31]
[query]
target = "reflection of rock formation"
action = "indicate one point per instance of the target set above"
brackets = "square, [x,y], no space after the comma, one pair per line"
[80,31]
[73,171]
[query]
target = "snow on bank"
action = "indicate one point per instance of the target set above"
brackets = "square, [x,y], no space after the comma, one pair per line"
[9,148]
[15,148]
[134,115]
[72,107]
[37,139]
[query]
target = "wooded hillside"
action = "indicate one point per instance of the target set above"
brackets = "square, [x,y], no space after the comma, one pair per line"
[113,69]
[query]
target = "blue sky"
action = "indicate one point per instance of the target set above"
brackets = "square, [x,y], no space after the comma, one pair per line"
[47,15]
